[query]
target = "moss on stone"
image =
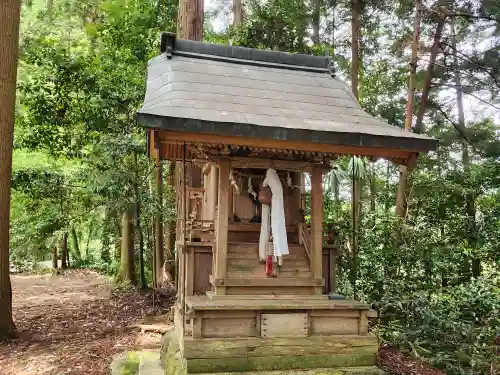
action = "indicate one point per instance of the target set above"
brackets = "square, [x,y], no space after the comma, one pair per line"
[165,343]
[279,363]
[331,364]
[132,365]
[364,370]
[126,363]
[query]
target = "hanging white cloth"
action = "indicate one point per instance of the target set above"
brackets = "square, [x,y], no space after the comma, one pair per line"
[277,215]
[265,231]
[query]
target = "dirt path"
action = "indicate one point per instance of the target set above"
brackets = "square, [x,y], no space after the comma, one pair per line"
[73,324]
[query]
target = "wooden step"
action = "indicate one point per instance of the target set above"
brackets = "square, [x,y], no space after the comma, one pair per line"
[252,248]
[248,256]
[249,264]
[260,273]
[266,282]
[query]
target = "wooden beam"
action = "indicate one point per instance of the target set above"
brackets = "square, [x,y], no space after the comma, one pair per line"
[264,297]
[222,223]
[317,224]
[306,303]
[256,346]
[295,145]
[285,165]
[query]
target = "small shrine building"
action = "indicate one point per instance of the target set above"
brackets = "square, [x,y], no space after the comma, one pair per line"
[234,120]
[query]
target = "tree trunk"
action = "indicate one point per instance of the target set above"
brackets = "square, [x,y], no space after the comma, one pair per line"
[190,20]
[140,236]
[373,187]
[50,10]
[316,20]
[55,263]
[159,254]
[64,251]
[355,43]
[106,234]
[338,205]
[387,185]
[76,246]
[238,13]
[401,201]
[170,229]
[67,256]
[356,183]
[470,200]
[9,42]
[89,237]
[117,245]
[127,264]
[419,124]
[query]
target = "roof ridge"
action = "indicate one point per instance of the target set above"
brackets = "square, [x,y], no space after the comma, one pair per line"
[284,60]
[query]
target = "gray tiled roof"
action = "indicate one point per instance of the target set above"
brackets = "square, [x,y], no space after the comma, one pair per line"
[228,90]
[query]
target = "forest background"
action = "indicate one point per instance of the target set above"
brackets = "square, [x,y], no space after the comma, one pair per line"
[85,192]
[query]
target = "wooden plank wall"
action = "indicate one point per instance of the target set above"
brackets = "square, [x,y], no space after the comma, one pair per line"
[249,323]
[202,269]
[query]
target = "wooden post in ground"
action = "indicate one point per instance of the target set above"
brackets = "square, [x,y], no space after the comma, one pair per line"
[222,224]
[317,224]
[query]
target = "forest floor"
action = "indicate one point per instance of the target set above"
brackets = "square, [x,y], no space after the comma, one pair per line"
[74,323]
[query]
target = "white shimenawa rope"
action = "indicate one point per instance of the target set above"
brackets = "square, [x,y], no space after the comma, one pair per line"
[276,214]
[251,191]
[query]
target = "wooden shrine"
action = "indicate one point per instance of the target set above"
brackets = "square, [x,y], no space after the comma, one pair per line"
[225,115]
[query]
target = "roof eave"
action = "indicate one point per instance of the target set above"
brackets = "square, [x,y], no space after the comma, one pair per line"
[410,144]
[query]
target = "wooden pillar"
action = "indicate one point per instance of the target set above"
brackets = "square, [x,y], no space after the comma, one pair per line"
[214,182]
[317,224]
[222,224]
[333,271]
[189,271]
[230,203]
[297,196]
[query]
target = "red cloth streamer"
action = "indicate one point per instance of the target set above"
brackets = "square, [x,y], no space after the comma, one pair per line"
[269,265]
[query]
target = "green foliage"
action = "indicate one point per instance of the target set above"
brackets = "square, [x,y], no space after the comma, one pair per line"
[455,328]
[80,158]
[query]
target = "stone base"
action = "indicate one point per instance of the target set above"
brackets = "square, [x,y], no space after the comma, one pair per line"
[332,364]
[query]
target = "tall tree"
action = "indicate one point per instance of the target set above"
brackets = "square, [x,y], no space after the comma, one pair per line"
[356,181]
[9,39]
[355,45]
[190,19]
[419,123]
[316,20]
[238,13]
[159,258]
[64,250]
[127,263]
[401,202]
[470,200]
[76,246]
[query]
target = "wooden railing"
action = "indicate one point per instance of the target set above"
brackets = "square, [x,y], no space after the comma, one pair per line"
[305,238]
[330,235]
